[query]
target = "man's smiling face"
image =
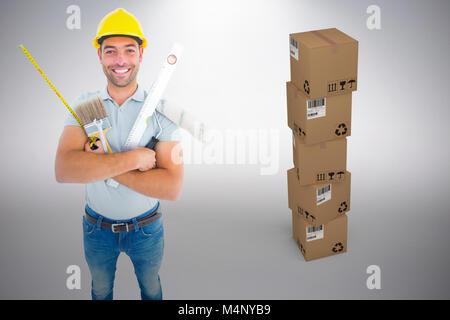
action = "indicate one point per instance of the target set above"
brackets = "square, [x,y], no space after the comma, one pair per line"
[120,58]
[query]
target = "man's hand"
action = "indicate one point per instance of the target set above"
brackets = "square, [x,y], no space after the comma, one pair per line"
[147,158]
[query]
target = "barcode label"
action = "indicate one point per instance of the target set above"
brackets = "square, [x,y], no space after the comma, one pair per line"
[323,190]
[294,42]
[316,103]
[314,233]
[315,229]
[293,47]
[323,194]
[316,108]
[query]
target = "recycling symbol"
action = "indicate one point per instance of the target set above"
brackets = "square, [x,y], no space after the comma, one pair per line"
[338,247]
[306,86]
[343,207]
[341,129]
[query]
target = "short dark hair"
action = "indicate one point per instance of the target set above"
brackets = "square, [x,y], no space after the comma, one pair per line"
[101,39]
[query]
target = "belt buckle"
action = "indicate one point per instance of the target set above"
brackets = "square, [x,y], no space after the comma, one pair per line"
[117,225]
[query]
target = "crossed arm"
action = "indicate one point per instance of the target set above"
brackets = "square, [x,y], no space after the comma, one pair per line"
[75,165]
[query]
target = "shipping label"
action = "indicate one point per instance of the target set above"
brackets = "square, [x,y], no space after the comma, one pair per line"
[323,194]
[316,108]
[314,233]
[293,46]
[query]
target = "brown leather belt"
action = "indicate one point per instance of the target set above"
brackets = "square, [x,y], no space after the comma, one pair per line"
[126,226]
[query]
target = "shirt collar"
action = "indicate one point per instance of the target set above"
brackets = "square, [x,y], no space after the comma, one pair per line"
[104,94]
[139,95]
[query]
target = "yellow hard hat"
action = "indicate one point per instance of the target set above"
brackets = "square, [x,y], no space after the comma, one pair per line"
[119,22]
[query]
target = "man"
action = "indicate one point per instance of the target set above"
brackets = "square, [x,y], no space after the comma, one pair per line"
[124,218]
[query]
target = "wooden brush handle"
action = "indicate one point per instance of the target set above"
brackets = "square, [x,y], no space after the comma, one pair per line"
[97,135]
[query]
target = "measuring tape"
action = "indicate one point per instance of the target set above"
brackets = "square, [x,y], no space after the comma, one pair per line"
[93,139]
[49,82]
[151,102]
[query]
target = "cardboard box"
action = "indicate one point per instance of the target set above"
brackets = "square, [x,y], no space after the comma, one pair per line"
[320,162]
[321,202]
[318,120]
[318,242]
[324,62]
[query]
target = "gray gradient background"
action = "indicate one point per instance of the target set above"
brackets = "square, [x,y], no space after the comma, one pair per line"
[229,235]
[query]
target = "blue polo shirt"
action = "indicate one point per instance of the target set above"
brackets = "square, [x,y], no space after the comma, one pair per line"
[122,202]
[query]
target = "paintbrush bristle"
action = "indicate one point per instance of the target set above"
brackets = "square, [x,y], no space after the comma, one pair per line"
[90,110]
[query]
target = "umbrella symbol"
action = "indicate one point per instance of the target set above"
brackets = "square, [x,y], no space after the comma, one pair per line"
[351,83]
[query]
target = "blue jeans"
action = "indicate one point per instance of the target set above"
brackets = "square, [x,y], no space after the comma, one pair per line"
[144,246]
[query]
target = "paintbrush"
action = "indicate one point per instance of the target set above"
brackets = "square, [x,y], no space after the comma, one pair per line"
[95,121]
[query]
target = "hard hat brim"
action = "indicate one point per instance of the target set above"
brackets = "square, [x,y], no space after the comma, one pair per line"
[99,39]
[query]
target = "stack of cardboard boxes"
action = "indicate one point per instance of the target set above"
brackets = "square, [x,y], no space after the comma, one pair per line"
[324,67]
